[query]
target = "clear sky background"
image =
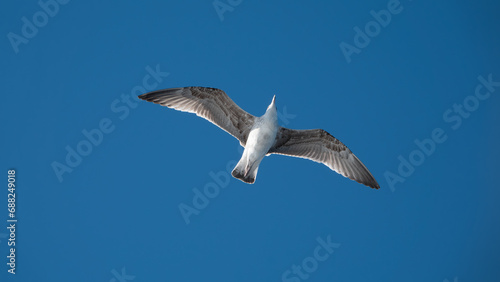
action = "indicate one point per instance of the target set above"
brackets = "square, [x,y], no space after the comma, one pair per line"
[116,214]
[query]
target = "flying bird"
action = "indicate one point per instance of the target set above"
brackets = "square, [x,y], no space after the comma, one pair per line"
[262,136]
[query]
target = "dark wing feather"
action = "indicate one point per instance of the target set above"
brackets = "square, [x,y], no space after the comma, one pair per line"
[209,103]
[319,146]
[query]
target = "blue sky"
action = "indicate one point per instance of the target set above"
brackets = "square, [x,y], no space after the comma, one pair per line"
[112,212]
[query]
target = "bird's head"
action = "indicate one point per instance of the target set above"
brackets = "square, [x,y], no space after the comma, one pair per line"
[273,104]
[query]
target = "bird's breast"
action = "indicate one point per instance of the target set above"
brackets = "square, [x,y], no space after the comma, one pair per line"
[262,137]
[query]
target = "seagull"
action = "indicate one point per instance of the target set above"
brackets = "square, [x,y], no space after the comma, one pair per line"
[262,136]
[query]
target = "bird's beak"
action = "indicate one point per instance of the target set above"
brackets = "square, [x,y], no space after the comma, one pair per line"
[274,98]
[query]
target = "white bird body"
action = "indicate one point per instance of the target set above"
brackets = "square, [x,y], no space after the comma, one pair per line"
[261,138]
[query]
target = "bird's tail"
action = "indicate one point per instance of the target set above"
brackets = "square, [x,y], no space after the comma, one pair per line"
[246,172]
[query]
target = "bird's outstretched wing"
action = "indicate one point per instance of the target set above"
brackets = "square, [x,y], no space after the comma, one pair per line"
[209,103]
[319,146]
